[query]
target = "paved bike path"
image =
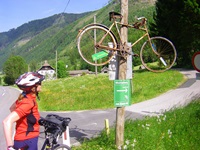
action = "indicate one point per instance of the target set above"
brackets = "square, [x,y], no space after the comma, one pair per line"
[87,124]
[181,96]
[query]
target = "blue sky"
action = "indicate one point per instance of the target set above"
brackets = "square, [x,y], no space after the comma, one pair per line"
[14,13]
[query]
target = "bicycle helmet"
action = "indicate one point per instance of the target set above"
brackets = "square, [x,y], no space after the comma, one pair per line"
[28,80]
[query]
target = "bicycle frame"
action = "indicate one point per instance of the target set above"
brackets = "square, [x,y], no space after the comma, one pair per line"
[46,144]
[116,24]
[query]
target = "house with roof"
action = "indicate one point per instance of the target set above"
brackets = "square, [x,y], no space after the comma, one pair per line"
[79,72]
[47,71]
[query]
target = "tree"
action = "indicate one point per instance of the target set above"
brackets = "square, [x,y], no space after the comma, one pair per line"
[13,68]
[61,69]
[33,65]
[179,21]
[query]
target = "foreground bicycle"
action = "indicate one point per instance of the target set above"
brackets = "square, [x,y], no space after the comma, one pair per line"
[54,127]
[97,44]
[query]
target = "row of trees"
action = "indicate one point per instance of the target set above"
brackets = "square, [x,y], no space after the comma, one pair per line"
[179,21]
[16,65]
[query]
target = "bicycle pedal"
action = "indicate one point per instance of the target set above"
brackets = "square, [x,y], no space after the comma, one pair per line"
[135,55]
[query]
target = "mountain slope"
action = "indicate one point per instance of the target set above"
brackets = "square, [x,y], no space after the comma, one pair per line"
[12,41]
[60,35]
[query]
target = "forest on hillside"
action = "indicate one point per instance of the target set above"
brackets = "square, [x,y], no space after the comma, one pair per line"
[176,20]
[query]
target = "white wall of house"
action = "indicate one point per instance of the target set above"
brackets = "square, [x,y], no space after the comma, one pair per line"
[49,74]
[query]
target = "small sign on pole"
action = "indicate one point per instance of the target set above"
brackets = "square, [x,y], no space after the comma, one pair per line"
[122,93]
[113,65]
[129,72]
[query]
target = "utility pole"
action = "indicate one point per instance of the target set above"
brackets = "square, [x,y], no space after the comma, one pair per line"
[95,42]
[120,111]
[56,65]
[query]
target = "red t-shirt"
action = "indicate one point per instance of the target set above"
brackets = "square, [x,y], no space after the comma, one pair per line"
[27,126]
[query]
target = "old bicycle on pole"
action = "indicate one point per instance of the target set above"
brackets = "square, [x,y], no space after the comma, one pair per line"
[157,54]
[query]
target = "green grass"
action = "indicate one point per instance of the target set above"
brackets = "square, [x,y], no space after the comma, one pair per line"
[91,92]
[1,79]
[174,130]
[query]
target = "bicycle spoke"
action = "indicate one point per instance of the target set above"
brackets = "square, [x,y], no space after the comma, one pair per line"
[158,57]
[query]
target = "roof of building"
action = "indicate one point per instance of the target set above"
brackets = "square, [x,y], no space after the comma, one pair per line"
[46,66]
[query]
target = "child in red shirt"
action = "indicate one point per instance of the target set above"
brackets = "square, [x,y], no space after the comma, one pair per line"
[25,113]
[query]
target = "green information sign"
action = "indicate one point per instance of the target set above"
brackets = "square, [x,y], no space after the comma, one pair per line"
[99,55]
[122,93]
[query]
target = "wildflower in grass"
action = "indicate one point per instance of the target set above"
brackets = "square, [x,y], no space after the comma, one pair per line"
[119,147]
[163,135]
[146,126]
[133,145]
[134,140]
[164,117]
[158,119]
[161,117]
[125,147]
[169,133]
[127,142]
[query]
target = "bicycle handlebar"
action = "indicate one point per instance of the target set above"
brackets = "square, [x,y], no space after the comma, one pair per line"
[141,23]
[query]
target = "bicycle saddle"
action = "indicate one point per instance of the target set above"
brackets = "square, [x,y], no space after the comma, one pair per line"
[114,15]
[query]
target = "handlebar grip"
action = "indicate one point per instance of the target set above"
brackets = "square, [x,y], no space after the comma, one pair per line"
[66,121]
[141,18]
[41,121]
[141,23]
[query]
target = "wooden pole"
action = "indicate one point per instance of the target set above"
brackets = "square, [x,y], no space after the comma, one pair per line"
[95,42]
[56,65]
[120,111]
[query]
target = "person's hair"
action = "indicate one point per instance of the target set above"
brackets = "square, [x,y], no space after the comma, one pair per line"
[21,96]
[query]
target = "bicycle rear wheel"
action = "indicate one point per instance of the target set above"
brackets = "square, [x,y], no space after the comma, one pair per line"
[158,55]
[88,43]
[62,147]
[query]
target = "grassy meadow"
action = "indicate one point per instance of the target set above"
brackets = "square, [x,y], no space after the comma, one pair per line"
[97,92]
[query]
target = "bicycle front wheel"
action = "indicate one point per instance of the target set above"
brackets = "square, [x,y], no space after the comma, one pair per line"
[62,147]
[90,42]
[158,54]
